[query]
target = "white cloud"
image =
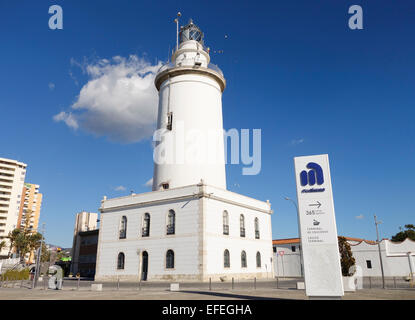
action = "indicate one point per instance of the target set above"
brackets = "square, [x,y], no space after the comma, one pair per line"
[297,141]
[68,118]
[149,183]
[51,86]
[119,101]
[359,217]
[120,188]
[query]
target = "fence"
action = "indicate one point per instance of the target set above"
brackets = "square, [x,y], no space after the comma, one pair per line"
[280,283]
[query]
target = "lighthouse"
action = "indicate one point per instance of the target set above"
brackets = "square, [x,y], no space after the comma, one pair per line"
[189,227]
[190,108]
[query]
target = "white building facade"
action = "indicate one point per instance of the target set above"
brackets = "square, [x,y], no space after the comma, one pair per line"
[12,177]
[397,257]
[189,227]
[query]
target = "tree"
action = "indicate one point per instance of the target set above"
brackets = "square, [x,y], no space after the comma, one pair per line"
[2,245]
[13,235]
[404,234]
[24,240]
[346,257]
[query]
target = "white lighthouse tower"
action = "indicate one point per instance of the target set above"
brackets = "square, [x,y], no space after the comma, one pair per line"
[190,112]
[189,228]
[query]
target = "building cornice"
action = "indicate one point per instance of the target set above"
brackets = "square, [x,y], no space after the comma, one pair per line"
[177,71]
[201,194]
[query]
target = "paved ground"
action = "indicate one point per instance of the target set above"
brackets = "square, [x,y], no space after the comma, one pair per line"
[189,291]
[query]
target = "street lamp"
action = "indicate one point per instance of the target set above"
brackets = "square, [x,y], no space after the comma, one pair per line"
[380,254]
[38,259]
[299,233]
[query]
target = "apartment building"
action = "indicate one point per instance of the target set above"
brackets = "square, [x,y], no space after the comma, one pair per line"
[30,204]
[29,213]
[12,176]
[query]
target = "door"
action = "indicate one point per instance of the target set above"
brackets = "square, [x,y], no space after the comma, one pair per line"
[145,266]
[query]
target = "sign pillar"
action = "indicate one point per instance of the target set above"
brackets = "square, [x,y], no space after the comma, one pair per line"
[317,225]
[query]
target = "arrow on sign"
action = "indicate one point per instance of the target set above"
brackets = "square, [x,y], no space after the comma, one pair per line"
[318,204]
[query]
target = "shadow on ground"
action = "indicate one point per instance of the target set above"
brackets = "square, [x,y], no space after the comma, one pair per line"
[231,295]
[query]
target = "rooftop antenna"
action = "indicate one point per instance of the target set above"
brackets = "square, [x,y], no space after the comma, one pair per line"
[177,29]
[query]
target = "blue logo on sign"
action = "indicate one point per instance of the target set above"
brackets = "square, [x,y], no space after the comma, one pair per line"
[314,174]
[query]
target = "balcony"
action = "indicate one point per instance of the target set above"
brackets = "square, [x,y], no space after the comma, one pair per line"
[6,184]
[123,234]
[145,232]
[170,229]
[225,229]
[256,234]
[242,232]
[5,202]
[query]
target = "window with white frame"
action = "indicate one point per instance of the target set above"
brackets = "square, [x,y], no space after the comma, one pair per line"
[226,259]
[170,259]
[171,222]
[120,261]
[243,259]
[123,227]
[225,222]
[145,232]
[256,222]
[258,259]
[242,225]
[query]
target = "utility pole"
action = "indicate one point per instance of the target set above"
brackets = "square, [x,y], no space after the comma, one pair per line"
[38,259]
[380,254]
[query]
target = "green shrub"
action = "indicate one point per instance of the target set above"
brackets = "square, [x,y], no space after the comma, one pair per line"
[13,275]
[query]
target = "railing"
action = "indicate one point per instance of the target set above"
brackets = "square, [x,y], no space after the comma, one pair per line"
[256,234]
[242,232]
[225,229]
[170,65]
[170,229]
[123,234]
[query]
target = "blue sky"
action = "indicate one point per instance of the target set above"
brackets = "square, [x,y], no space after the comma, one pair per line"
[293,68]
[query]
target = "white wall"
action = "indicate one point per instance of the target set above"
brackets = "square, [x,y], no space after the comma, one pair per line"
[196,104]
[395,260]
[289,263]
[394,257]
[198,242]
[217,242]
[184,242]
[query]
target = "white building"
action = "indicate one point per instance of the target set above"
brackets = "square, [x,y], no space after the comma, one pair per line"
[12,176]
[189,227]
[397,257]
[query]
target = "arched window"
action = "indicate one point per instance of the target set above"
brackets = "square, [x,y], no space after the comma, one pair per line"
[169,259]
[226,259]
[258,260]
[123,227]
[256,228]
[171,222]
[225,222]
[243,259]
[120,261]
[146,225]
[242,225]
